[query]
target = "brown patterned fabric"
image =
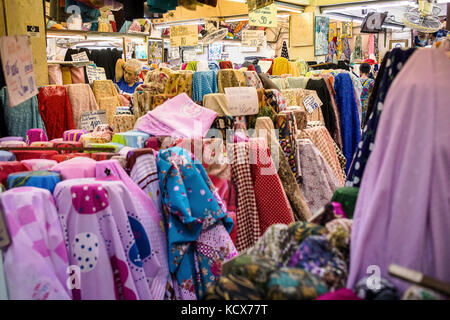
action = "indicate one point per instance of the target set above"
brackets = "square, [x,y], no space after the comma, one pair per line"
[227,78]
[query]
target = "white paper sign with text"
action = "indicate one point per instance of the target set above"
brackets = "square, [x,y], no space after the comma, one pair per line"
[17,61]
[95,73]
[312,102]
[254,38]
[91,119]
[243,100]
[80,57]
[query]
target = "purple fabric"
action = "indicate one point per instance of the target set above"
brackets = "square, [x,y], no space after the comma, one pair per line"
[11,139]
[36,261]
[96,216]
[341,294]
[178,117]
[155,265]
[74,168]
[402,215]
[34,135]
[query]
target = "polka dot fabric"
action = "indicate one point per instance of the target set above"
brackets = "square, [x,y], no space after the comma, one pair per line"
[272,202]
[89,199]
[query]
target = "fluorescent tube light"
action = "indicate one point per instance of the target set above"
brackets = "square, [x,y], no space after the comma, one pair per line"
[375,5]
[65,36]
[235,20]
[178,23]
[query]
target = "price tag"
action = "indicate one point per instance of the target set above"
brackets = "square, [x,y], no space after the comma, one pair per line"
[254,38]
[95,73]
[91,119]
[80,57]
[312,102]
[265,17]
[243,101]
[17,61]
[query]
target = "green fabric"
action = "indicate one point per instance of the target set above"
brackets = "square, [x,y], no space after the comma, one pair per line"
[192,66]
[347,197]
[116,146]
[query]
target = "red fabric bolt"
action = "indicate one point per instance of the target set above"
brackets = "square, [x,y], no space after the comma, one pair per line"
[271,200]
[33,154]
[7,167]
[55,109]
[226,65]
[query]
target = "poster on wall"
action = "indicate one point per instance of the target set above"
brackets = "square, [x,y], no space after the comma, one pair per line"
[301,29]
[264,17]
[346,29]
[155,51]
[215,51]
[17,61]
[321,36]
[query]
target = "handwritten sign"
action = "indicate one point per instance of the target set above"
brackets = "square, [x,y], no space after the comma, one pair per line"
[91,119]
[254,38]
[174,52]
[264,17]
[95,73]
[182,36]
[189,55]
[80,57]
[312,102]
[243,101]
[17,61]
[258,4]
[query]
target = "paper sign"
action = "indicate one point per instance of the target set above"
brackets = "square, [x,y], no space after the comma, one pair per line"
[312,102]
[17,61]
[90,120]
[33,31]
[253,38]
[257,4]
[95,73]
[265,17]
[80,57]
[243,101]
[174,52]
[183,36]
[189,55]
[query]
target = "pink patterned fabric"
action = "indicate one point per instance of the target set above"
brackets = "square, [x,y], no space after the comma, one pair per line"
[34,135]
[40,164]
[180,117]
[78,167]
[36,261]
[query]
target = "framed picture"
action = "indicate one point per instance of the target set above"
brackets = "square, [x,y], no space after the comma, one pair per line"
[215,51]
[398,44]
[199,48]
[346,29]
[301,29]
[322,28]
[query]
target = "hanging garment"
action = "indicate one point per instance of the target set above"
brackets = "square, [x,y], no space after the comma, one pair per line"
[371,46]
[320,86]
[329,81]
[285,123]
[101,240]
[280,66]
[180,117]
[19,119]
[227,78]
[367,86]
[268,201]
[405,131]
[332,51]
[346,51]
[351,132]
[284,51]
[318,180]
[203,83]
[358,48]
[197,226]
[252,79]
[393,64]
[82,100]
[36,261]
[248,231]
[55,110]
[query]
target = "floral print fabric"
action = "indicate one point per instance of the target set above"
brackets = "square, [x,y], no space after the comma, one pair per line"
[367,86]
[197,227]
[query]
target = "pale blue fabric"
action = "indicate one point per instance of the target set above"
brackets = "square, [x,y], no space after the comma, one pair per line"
[214,66]
[203,82]
[21,118]
[3,289]
[7,156]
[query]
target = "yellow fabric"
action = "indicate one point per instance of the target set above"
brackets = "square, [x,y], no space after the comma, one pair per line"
[293,69]
[227,78]
[280,66]
[66,75]
[179,82]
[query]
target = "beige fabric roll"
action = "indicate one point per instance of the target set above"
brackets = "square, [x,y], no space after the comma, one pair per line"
[217,102]
[81,99]
[109,104]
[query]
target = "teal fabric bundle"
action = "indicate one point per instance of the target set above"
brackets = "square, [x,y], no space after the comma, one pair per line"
[21,118]
[203,82]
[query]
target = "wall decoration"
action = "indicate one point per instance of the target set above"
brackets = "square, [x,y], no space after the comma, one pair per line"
[301,29]
[346,29]
[215,51]
[333,31]
[199,48]
[321,35]
[398,44]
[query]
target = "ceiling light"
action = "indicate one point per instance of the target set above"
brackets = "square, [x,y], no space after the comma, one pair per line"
[236,19]
[375,5]
[65,36]
[165,25]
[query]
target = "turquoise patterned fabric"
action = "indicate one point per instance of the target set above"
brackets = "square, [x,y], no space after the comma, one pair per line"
[21,118]
[39,179]
[203,82]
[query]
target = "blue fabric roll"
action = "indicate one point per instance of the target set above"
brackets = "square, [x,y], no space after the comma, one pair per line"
[39,179]
[203,82]
[348,110]
[7,156]
[21,118]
